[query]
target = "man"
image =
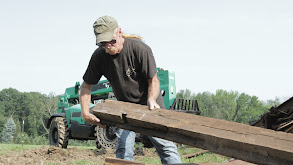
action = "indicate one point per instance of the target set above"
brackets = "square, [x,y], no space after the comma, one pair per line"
[130,67]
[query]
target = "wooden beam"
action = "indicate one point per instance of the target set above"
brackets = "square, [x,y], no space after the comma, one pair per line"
[248,143]
[116,161]
[195,154]
[287,104]
[234,162]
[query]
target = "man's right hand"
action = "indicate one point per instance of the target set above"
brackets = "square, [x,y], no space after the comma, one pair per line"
[85,99]
[90,118]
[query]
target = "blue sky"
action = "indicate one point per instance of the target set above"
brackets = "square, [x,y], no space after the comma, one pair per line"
[244,46]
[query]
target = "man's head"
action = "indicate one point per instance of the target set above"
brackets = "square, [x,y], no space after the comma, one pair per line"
[108,34]
[104,28]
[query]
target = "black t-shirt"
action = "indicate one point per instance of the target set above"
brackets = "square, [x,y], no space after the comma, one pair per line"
[127,72]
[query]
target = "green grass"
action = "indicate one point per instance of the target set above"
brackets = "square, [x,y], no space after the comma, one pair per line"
[188,150]
[6,148]
[83,147]
[203,158]
[84,162]
[75,162]
[151,160]
[206,157]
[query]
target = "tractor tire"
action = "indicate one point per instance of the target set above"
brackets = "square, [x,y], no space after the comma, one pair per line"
[59,133]
[106,137]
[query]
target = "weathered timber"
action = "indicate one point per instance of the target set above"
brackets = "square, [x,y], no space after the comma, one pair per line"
[195,154]
[285,105]
[248,143]
[234,162]
[117,161]
[278,119]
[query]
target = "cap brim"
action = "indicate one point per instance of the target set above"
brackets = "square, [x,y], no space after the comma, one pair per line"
[105,37]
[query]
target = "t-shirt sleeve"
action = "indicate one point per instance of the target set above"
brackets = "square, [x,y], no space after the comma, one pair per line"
[148,64]
[93,73]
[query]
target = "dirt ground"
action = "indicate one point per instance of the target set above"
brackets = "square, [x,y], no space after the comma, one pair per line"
[54,155]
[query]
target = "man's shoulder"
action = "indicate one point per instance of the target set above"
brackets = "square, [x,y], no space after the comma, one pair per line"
[137,43]
[99,52]
[133,40]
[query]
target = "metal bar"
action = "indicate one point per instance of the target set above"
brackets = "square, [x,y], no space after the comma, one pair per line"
[180,104]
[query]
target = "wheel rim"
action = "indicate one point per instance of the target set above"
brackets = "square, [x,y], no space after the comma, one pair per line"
[55,135]
[106,137]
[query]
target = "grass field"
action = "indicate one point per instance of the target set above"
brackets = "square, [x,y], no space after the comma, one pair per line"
[8,148]
[203,158]
[206,157]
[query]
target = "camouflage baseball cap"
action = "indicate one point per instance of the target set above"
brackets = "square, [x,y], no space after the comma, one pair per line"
[104,28]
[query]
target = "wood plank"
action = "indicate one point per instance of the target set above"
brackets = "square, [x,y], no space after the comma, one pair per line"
[116,161]
[248,143]
[234,162]
[194,154]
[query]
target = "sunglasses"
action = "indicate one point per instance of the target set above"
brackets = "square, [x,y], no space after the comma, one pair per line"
[104,43]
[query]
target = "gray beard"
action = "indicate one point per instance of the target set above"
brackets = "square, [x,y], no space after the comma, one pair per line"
[112,49]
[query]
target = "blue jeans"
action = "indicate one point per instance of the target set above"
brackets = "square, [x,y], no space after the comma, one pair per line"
[167,150]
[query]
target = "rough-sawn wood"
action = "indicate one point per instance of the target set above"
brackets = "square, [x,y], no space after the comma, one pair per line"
[248,143]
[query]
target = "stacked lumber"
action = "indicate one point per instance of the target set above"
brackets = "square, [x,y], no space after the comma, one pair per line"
[278,119]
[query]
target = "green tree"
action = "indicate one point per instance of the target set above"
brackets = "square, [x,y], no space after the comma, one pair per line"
[272,103]
[186,94]
[8,131]
[205,103]
[248,108]
[33,108]
[224,104]
[50,107]
[230,106]
[3,119]
[9,101]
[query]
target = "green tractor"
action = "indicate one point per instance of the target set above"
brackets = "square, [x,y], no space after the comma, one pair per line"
[68,123]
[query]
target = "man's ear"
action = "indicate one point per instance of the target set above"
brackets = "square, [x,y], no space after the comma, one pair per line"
[119,31]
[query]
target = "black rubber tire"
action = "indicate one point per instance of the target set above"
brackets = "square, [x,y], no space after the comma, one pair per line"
[59,133]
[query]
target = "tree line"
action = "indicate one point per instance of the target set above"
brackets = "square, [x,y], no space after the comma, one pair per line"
[230,105]
[28,111]
[24,115]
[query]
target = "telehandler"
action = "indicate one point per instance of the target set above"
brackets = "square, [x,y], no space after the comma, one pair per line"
[68,123]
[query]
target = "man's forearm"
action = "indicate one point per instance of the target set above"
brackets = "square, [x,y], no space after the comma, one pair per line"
[154,88]
[85,98]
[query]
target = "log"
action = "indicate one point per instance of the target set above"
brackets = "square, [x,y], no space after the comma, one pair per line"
[240,141]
